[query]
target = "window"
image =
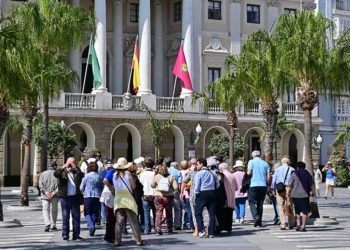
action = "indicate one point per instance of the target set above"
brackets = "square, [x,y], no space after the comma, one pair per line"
[342,5]
[289,11]
[134,12]
[177,11]
[214,10]
[213,74]
[253,13]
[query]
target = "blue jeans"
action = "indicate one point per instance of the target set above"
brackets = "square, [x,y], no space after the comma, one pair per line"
[256,197]
[147,207]
[103,212]
[240,207]
[206,199]
[92,209]
[186,205]
[70,204]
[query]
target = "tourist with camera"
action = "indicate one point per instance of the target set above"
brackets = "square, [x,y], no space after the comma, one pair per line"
[69,179]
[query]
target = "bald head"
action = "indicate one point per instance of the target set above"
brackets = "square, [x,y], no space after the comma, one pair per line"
[285,160]
[71,161]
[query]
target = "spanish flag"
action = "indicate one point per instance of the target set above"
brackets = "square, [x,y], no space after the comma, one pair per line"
[135,68]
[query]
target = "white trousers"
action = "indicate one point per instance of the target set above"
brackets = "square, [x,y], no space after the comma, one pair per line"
[50,211]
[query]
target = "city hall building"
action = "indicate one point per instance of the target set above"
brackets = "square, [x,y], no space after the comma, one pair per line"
[106,119]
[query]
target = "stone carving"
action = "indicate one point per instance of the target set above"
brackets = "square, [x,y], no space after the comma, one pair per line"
[273,2]
[174,47]
[215,45]
[130,46]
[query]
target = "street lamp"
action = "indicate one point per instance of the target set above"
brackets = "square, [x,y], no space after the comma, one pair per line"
[195,138]
[316,142]
[62,124]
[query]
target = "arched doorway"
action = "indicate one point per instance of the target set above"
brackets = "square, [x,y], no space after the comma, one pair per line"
[293,150]
[13,158]
[85,137]
[252,141]
[173,144]
[89,75]
[292,144]
[209,135]
[125,142]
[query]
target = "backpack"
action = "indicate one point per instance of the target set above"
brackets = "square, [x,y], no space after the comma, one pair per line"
[163,184]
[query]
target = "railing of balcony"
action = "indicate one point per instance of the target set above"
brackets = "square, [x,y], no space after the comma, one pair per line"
[292,108]
[168,104]
[80,101]
[120,103]
[252,110]
[215,109]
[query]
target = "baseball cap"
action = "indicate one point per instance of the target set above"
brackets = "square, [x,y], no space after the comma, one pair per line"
[52,164]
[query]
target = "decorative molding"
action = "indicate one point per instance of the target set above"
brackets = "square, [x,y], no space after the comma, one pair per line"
[129,45]
[236,1]
[215,45]
[158,2]
[174,47]
[272,2]
[118,1]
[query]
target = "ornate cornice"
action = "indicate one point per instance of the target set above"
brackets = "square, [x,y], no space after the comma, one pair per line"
[215,45]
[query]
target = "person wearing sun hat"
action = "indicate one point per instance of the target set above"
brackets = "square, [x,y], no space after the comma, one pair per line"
[124,202]
[240,197]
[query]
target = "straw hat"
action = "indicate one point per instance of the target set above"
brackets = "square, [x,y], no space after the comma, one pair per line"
[122,164]
[238,164]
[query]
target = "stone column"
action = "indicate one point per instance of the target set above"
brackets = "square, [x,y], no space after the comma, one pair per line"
[272,14]
[235,26]
[75,60]
[197,58]
[100,41]
[145,47]
[187,35]
[158,49]
[117,84]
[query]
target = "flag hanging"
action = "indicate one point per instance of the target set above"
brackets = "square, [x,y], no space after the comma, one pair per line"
[181,70]
[93,60]
[135,68]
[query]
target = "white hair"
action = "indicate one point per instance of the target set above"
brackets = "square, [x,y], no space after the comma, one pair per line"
[211,161]
[223,166]
[255,153]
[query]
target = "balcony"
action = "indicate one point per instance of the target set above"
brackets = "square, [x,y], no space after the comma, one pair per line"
[107,101]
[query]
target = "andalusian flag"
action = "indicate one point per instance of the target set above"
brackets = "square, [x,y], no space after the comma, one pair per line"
[135,68]
[93,60]
[181,70]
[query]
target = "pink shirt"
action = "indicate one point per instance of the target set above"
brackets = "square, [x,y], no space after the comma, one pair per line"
[239,178]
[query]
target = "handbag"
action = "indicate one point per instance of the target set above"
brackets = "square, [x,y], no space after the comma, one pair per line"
[281,187]
[187,186]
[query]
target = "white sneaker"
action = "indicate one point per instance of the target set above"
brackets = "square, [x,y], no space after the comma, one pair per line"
[241,221]
[237,220]
[202,234]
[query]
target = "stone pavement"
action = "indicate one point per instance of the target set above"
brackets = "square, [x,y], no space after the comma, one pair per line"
[32,236]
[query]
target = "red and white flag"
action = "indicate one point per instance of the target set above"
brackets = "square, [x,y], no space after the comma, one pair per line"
[181,70]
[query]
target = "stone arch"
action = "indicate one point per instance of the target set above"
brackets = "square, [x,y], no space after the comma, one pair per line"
[209,135]
[135,141]
[173,144]
[85,136]
[300,143]
[252,141]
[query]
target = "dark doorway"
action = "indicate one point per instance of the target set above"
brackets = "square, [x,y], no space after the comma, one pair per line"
[89,77]
[129,149]
[293,150]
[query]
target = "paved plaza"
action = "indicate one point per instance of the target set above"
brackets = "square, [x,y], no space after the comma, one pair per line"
[32,236]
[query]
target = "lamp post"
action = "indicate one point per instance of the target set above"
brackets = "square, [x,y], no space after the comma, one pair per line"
[195,138]
[62,124]
[316,142]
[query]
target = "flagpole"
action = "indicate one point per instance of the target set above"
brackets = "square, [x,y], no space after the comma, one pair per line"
[136,40]
[172,98]
[85,74]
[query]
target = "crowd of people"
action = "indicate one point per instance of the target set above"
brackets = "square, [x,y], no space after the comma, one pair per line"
[201,195]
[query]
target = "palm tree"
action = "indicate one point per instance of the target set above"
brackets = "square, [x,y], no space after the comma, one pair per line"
[228,92]
[44,24]
[342,136]
[308,60]
[266,81]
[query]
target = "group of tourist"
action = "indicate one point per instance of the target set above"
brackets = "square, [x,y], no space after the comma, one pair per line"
[199,195]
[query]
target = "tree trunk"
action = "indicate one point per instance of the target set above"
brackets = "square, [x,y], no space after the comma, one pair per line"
[4,116]
[307,99]
[308,139]
[45,138]
[29,111]
[232,121]
[270,116]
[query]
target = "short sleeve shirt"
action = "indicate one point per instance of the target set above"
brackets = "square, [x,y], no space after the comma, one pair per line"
[109,176]
[259,168]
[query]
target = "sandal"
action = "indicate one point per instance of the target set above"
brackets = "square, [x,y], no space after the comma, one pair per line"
[142,243]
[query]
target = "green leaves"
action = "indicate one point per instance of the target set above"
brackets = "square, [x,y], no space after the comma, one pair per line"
[219,145]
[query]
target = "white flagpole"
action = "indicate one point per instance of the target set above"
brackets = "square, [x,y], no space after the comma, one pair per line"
[172,98]
[136,40]
[86,69]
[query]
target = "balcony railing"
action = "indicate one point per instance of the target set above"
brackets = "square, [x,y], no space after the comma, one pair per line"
[215,109]
[80,101]
[168,104]
[119,102]
[292,108]
[252,110]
